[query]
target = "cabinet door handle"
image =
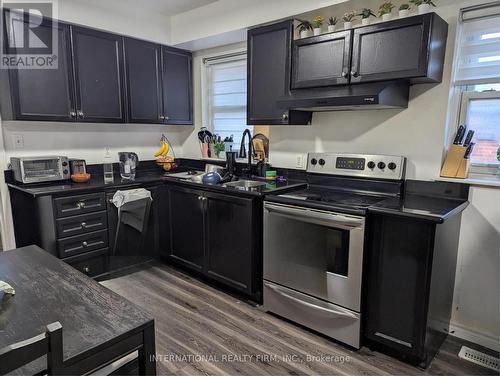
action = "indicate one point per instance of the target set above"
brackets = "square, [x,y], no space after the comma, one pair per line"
[284,116]
[161,117]
[354,73]
[200,198]
[72,114]
[81,114]
[83,224]
[345,74]
[85,244]
[166,118]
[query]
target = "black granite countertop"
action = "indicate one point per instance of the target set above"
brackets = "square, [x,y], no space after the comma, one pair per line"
[145,178]
[415,206]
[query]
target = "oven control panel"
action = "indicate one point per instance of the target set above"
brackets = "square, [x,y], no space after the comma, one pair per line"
[358,165]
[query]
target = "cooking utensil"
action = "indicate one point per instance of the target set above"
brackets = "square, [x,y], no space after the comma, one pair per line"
[460,135]
[211,178]
[265,143]
[214,168]
[469,137]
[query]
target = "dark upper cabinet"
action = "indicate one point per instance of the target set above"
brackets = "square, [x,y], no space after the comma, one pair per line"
[268,75]
[186,209]
[324,60]
[229,240]
[43,94]
[99,75]
[144,87]
[177,86]
[411,48]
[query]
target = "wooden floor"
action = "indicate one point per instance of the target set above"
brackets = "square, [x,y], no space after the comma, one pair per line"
[202,331]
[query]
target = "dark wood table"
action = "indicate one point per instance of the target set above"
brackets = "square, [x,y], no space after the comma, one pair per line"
[99,326]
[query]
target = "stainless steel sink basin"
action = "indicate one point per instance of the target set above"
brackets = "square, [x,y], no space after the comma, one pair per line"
[244,184]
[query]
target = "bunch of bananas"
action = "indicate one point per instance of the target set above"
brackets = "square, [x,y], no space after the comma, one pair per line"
[162,157]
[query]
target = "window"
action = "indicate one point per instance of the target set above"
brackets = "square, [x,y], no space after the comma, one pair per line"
[476,81]
[225,99]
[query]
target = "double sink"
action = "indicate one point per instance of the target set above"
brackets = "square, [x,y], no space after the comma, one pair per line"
[196,177]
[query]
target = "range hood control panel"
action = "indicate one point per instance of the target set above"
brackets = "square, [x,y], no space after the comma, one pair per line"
[360,165]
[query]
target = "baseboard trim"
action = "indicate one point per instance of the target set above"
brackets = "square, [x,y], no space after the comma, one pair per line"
[482,339]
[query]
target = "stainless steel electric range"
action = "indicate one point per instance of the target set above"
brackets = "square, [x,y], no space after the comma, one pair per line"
[314,241]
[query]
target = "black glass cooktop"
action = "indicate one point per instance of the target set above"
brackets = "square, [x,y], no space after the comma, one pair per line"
[335,197]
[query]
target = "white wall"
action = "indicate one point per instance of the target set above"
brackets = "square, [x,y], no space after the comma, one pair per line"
[419,133]
[225,16]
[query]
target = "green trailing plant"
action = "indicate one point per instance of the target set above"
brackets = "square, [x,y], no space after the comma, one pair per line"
[318,22]
[366,13]
[349,16]
[304,25]
[404,7]
[332,21]
[420,2]
[385,8]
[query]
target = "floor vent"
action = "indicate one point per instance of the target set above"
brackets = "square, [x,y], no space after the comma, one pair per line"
[480,358]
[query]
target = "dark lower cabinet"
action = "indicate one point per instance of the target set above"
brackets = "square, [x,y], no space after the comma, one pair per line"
[144,87]
[268,75]
[409,283]
[229,240]
[218,236]
[99,75]
[177,86]
[186,208]
[410,48]
[42,94]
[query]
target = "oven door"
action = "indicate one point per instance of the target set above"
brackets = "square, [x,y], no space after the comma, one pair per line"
[315,252]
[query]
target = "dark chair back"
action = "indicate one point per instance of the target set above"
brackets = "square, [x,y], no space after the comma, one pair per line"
[49,343]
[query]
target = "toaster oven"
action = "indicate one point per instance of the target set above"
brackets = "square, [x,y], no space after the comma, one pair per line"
[40,169]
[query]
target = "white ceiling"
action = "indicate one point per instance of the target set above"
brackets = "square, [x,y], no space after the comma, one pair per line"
[163,7]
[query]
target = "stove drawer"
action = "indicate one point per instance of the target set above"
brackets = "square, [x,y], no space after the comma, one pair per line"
[326,318]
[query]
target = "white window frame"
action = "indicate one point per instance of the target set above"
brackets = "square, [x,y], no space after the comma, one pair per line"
[207,60]
[467,96]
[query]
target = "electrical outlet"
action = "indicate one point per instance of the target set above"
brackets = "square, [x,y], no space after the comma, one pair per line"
[299,161]
[107,152]
[18,140]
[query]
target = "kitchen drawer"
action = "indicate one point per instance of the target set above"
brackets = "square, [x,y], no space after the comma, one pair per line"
[81,224]
[74,205]
[76,245]
[91,263]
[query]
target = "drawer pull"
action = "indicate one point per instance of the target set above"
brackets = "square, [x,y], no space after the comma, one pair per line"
[80,205]
[83,225]
[85,244]
[86,269]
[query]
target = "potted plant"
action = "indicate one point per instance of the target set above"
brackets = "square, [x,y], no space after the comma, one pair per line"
[365,14]
[332,24]
[317,23]
[304,27]
[348,18]
[385,10]
[423,6]
[404,10]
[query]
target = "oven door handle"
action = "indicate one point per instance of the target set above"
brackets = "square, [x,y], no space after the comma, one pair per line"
[315,216]
[310,305]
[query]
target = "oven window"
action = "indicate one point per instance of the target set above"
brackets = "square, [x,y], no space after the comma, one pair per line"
[337,251]
[41,167]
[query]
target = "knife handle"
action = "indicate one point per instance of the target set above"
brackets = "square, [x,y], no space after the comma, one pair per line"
[468,152]
[459,135]
[469,137]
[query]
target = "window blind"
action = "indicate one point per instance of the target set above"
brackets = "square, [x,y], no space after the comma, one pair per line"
[478,59]
[227,96]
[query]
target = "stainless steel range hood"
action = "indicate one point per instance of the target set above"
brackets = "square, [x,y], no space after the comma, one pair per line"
[373,96]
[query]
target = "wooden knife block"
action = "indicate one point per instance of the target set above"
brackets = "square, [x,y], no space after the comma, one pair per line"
[455,165]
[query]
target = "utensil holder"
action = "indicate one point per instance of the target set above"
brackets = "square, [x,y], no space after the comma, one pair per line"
[455,165]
